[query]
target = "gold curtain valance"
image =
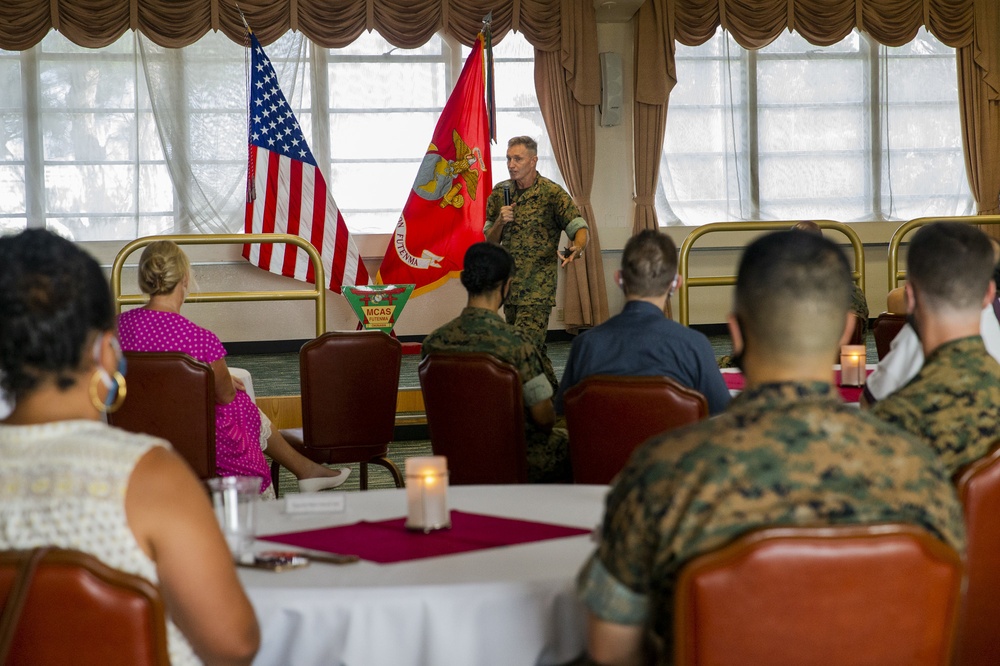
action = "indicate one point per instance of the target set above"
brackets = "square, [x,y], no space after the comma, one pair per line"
[662,23]
[330,23]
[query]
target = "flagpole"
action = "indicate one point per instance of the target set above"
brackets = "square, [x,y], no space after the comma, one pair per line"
[491,102]
[251,188]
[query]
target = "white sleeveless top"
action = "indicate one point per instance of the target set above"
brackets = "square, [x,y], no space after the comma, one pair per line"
[63,484]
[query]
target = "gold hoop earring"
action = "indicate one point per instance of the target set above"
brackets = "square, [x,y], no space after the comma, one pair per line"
[99,404]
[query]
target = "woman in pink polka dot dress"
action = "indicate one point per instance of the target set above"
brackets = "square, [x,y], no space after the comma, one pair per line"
[164,274]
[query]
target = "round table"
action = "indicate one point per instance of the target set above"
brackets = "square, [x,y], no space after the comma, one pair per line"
[508,606]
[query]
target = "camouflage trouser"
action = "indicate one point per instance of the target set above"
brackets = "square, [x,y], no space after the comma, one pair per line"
[533,320]
[548,456]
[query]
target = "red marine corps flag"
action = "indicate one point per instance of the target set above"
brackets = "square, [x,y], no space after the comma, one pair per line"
[446,209]
[286,192]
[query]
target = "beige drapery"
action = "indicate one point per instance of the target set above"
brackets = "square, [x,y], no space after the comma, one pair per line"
[971,26]
[330,23]
[565,31]
[569,119]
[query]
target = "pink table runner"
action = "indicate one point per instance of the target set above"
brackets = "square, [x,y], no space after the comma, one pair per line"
[389,541]
[735,381]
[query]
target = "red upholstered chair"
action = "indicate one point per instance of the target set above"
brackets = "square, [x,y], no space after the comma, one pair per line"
[607,417]
[797,596]
[349,381]
[978,487]
[172,396]
[79,611]
[885,329]
[475,415]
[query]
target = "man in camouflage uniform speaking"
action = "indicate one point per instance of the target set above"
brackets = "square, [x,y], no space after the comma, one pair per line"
[486,275]
[527,214]
[787,451]
[954,400]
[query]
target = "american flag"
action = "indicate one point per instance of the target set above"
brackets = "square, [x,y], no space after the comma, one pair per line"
[287,192]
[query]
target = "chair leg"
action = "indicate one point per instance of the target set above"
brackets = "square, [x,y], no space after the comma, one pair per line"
[275,476]
[397,478]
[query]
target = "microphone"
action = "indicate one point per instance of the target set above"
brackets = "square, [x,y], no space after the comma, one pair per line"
[506,194]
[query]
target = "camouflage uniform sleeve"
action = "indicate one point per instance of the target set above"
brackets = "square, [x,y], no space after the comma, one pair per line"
[568,214]
[616,583]
[607,598]
[537,386]
[896,410]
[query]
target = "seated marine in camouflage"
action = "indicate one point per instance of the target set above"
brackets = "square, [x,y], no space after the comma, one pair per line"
[487,277]
[787,451]
[953,401]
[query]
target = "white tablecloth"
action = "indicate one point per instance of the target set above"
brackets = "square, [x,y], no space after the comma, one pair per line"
[506,606]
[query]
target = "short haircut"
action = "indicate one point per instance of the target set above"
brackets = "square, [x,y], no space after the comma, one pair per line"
[525,141]
[793,291]
[162,266]
[808,226]
[486,268]
[649,264]
[53,298]
[950,264]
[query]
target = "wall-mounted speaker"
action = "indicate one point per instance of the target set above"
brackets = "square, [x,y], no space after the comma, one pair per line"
[611,89]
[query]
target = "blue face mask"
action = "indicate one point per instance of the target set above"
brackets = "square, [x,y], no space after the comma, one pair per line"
[110,383]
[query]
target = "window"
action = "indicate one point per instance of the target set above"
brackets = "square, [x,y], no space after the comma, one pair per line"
[77,150]
[851,132]
[85,134]
[517,105]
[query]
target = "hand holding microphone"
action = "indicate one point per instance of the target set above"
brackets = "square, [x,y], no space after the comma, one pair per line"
[507,212]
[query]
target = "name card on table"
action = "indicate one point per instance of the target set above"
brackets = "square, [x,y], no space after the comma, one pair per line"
[315,503]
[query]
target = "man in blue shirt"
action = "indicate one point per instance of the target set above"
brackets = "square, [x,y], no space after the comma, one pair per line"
[641,341]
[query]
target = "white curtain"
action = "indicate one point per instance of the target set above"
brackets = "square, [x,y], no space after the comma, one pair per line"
[852,132]
[198,100]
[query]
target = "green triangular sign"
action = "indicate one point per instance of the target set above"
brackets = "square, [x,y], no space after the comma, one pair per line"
[378,306]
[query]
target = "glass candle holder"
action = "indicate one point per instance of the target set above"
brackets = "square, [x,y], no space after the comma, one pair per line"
[852,365]
[427,493]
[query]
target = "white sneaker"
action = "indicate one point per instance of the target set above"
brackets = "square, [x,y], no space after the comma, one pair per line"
[318,483]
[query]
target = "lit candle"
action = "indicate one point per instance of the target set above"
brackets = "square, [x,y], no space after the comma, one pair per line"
[852,365]
[427,493]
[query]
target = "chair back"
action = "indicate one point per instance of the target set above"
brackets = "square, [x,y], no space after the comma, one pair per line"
[608,417]
[978,485]
[172,396]
[784,596]
[350,381]
[80,611]
[475,415]
[885,329]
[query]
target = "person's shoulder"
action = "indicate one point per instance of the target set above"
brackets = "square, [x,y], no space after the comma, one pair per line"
[127,437]
[109,442]
[498,187]
[549,186]
[439,339]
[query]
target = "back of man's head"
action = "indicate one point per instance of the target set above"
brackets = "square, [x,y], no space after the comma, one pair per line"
[649,264]
[792,294]
[486,267]
[950,265]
